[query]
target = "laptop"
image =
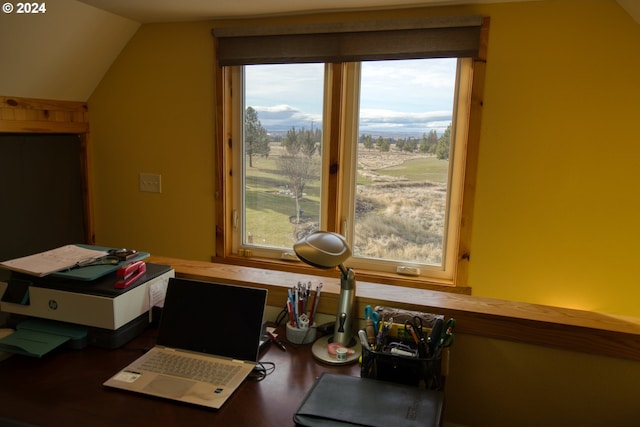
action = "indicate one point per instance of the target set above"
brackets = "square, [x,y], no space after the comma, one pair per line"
[201,322]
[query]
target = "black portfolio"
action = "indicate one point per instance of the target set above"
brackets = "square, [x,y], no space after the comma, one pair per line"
[342,400]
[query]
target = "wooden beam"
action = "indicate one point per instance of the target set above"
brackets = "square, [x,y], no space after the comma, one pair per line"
[25,115]
[32,126]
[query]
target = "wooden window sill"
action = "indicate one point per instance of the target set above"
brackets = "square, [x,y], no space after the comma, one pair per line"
[569,329]
[362,275]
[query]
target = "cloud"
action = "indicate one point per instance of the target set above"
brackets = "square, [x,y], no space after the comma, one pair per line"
[413,96]
[372,120]
[282,117]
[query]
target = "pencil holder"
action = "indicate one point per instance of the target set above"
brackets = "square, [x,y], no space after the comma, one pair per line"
[301,335]
[396,355]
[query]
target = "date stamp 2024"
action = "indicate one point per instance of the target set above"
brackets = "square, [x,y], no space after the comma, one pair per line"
[24,8]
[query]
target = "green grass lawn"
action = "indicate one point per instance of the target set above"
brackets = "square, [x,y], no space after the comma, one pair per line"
[268,206]
[422,169]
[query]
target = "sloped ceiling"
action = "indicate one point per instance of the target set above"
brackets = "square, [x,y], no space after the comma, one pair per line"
[61,54]
[64,53]
[186,10]
[632,7]
[189,10]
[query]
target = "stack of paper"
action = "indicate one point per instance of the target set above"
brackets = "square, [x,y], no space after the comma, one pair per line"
[48,262]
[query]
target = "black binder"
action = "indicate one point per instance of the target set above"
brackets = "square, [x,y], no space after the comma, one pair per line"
[343,400]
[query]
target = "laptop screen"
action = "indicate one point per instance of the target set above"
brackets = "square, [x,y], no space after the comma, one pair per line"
[218,319]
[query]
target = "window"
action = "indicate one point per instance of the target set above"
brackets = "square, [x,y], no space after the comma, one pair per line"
[372,146]
[278,193]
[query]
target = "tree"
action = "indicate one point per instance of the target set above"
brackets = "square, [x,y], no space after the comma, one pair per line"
[442,151]
[384,145]
[292,142]
[302,141]
[367,141]
[410,145]
[429,142]
[308,143]
[256,139]
[298,162]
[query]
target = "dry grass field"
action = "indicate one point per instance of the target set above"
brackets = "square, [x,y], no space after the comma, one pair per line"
[400,206]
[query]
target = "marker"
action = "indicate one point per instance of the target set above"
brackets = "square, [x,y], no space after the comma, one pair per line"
[292,315]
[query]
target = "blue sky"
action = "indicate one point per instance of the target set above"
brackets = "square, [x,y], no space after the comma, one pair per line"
[396,96]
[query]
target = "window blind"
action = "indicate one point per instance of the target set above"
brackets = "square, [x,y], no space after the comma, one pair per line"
[433,37]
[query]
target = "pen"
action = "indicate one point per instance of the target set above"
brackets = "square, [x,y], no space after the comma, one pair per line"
[276,342]
[296,310]
[314,306]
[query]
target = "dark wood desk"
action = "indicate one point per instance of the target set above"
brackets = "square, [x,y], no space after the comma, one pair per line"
[65,389]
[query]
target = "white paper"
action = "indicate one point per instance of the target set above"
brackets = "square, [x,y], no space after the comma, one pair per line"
[157,292]
[52,261]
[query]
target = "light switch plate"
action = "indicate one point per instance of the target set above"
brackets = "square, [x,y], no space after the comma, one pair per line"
[151,182]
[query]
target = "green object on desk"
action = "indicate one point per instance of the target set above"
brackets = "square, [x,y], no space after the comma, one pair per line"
[31,343]
[93,272]
[37,337]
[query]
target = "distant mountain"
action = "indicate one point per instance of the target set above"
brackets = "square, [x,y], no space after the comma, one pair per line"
[278,119]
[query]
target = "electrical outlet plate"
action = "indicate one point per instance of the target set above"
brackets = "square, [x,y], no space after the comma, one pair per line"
[151,182]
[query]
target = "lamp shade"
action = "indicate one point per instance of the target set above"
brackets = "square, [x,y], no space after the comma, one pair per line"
[323,249]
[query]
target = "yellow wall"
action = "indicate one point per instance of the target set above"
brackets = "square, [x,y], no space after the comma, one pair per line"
[153,113]
[497,383]
[557,201]
[556,208]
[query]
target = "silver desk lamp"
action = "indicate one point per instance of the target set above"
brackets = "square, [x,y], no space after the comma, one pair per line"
[327,250]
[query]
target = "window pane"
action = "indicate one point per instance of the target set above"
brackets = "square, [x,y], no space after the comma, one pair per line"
[406,112]
[281,151]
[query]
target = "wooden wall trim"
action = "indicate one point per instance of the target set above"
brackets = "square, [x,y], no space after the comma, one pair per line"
[556,327]
[471,165]
[25,115]
[30,115]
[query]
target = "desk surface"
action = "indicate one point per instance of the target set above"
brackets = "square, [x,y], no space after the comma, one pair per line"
[65,388]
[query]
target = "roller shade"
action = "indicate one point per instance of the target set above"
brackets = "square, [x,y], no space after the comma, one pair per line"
[435,37]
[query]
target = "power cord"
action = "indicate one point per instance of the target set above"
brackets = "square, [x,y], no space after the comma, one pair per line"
[262,370]
[284,313]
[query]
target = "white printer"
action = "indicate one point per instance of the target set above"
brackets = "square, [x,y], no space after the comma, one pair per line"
[112,316]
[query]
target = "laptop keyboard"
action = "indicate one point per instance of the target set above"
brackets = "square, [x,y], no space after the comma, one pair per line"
[187,367]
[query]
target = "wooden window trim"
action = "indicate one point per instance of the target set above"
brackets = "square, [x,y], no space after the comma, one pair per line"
[222,178]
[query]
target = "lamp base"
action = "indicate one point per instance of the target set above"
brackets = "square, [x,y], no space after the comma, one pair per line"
[321,353]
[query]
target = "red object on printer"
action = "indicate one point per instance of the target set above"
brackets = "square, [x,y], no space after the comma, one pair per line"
[130,273]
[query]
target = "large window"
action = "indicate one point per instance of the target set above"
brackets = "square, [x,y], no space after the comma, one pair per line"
[371,147]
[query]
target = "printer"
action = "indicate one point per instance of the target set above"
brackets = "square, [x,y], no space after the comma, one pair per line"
[111,315]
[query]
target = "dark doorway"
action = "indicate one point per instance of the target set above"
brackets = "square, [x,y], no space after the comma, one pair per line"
[41,198]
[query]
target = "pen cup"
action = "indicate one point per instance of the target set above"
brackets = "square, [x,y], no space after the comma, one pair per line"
[301,335]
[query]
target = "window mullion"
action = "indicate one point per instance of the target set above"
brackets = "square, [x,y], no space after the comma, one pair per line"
[332,143]
[349,146]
